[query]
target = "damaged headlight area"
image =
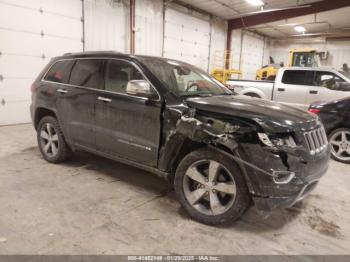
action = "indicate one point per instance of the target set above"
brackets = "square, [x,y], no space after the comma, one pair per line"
[277,140]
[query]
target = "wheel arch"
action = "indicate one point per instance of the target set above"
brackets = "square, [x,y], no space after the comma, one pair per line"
[174,157]
[42,112]
[189,146]
[339,126]
[225,150]
[253,90]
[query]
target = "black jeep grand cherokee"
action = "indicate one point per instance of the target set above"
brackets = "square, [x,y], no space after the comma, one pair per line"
[222,150]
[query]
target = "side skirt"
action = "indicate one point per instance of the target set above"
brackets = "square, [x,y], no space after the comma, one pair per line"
[161,174]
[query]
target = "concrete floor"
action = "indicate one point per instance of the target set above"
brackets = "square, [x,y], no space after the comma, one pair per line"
[91,205]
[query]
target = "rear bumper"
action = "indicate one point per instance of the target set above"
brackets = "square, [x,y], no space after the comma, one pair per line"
[32,114]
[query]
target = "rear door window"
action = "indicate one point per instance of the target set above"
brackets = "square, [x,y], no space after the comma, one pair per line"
[59,72]
[88,73]
[295,77]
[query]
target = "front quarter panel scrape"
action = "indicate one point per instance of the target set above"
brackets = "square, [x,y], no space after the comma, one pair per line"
[196,129]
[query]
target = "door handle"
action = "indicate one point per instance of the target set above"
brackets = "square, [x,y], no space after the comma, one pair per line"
[313,92]
[281,89]
[62,91]
[104,99]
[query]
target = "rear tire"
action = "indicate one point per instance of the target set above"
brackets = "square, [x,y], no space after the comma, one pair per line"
[51,142]
[211,188]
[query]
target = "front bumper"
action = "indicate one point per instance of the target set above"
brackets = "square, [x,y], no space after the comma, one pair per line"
[269,204]
[267,194]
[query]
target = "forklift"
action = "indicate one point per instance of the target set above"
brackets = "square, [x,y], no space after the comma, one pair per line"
[297,57]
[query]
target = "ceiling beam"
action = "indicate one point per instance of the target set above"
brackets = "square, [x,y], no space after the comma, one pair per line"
[268,17]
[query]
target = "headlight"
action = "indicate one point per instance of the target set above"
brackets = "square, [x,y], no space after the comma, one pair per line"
[277,140]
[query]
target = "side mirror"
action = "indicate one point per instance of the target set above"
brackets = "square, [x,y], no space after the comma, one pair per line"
[140,88]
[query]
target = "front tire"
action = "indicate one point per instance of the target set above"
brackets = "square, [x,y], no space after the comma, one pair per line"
[339,141]
[211,188]
[52,144]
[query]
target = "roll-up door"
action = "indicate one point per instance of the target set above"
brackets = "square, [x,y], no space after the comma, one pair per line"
[31,32]
[186,38]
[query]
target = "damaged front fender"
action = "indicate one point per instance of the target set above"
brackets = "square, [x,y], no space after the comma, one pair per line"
[196,130]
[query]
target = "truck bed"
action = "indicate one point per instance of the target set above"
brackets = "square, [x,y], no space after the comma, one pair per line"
[264,88]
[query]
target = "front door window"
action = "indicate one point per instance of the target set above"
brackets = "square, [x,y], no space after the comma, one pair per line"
[118,74]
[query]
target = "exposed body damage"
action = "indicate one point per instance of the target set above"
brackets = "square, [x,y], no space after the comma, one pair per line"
[277,174]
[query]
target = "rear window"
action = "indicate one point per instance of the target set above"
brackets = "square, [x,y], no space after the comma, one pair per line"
[59,72]
[88,73]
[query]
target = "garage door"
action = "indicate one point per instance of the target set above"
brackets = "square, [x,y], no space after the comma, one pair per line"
[31,32]
[252,55]
[186,38]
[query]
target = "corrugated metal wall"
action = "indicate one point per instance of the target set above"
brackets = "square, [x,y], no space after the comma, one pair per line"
[236,48]
[217,43]
[106,25]
[149,27]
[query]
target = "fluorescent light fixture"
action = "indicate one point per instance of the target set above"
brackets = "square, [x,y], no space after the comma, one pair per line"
[300,29]
[255,2]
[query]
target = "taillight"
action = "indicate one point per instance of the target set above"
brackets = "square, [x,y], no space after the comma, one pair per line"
[314,110]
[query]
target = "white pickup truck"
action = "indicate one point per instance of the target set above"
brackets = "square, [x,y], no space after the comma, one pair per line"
[298,86]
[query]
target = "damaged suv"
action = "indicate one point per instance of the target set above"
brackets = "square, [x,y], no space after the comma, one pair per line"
[223,151]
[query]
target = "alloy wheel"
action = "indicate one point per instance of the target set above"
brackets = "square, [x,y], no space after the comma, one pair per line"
[209,187]
[340,145]
[49,140]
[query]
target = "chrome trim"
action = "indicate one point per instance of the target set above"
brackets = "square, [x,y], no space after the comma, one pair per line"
[134,144]
[104,99]
[62,91]
[95,89]
[287,176]
[316,140]
[302,194]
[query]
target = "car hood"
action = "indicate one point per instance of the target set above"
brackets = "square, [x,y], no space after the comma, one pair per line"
[271,116]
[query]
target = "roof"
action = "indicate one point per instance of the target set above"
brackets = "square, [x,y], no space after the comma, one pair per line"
[322,68]
[94,53]
[105,54]
[113,54]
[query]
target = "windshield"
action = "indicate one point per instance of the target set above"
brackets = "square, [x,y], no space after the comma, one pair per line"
[184,79]
[346,74]
[306,59]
